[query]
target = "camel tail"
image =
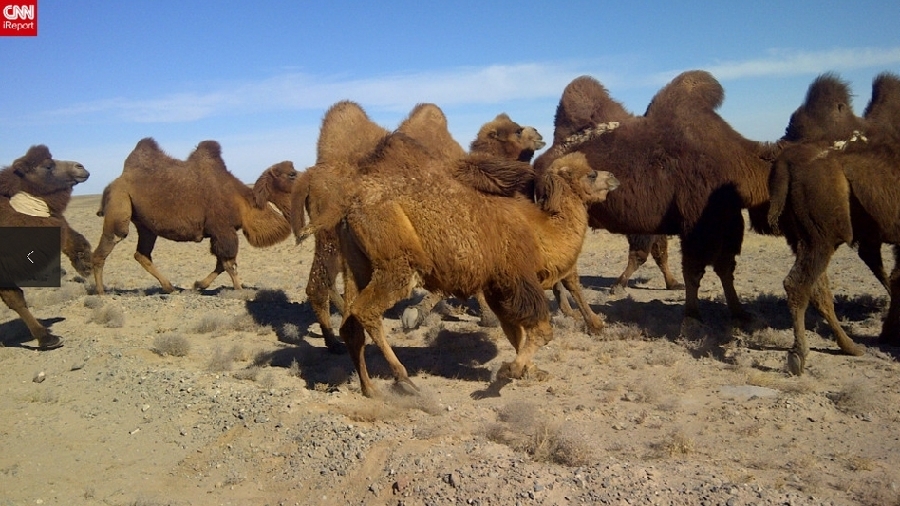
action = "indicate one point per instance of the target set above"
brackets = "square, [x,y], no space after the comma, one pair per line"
[104,200]
[779,184]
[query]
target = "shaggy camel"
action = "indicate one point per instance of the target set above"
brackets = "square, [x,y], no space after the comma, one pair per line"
[683,169]
[584,105]
[410,218]
[45,186]
[823,197]
[211,202]
[347,134]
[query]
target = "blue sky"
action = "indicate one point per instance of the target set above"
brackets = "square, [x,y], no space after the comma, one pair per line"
[258,76]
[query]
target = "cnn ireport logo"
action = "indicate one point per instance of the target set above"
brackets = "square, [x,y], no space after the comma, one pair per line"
[18,18]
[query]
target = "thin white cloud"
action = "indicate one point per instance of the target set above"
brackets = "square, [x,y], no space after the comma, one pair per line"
[787,62]
[458,86]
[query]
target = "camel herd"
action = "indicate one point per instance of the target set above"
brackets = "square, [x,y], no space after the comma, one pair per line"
[392,210]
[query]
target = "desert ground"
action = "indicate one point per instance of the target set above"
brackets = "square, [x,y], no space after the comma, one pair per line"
[230,398]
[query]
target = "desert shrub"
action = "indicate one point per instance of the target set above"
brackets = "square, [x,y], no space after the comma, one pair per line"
[109,315]
[174,345]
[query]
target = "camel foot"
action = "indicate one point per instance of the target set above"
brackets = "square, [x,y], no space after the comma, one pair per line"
[488,319]
[334,345]
[405,387]
[795,363]
[412,317]
[618,290]
[50,342]
[535,374]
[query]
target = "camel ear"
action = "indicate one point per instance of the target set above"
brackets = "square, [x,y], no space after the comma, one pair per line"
[262,189]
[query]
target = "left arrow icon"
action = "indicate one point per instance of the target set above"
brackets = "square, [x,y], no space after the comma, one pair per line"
[28,256]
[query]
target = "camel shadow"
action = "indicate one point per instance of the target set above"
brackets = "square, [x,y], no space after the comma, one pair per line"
[15,333]
[272,308]
[451,354]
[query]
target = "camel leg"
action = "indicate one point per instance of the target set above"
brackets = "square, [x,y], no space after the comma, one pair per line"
[890,330]
[562,300]
[143,255]
[98,258]
[526,330]
[116,220]
[593,322]
[660,251]
[353,333]
[230,266]
[77,249]
[321,291]
[488,318]
[637,256]
[724,267]
[693,274]
[870,253]
[823,301]
[14,298]
[413,316]
[807,269]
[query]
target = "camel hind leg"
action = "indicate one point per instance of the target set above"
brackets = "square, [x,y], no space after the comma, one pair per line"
[321,288]
[143,255]
[14,298]
[224,247]
[823,301]
[116,214]
[659,249]
[525,320]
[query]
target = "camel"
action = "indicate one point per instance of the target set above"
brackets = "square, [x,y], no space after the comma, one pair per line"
[824,196]
[34,192]
[683,170]
[410,219]
[346,136]
[210,202]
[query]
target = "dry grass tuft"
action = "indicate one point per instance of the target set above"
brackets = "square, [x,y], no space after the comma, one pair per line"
[291,332]
[109,315]
[545,441]
[856,398]
[623,332]
[222,361]
[173,345]
[676,444]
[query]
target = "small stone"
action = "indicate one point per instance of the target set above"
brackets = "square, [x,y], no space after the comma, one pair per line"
[39,377]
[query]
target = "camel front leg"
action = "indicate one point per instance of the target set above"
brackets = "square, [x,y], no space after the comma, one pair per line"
[660,251]
[573,284]
[143,255]
[14,298]
[809,265]
[321,289]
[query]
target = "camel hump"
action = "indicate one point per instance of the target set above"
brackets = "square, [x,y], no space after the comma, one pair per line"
[346,134]
[884,106]
[147,144]
[211,149]
[584,104]
[425,113]
[694,89]
[825,90]
[427,124]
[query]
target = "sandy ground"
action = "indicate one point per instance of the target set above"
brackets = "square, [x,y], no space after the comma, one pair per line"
[229,397]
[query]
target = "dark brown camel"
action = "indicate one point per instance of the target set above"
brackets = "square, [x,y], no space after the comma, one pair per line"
[209,200]
[684,171]
[827,195]
[34,192]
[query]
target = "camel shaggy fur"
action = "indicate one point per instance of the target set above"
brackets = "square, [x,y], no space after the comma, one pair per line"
[410,218]
[683,170]
[347,134]
[37,175]
[827,195]
[211,202]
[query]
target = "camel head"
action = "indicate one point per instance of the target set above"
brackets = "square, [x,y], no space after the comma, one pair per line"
[275,185]
[40,174]
[505,138]
[826,113]
[573,170]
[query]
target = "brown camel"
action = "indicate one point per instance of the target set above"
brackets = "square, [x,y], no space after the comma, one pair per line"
[584,105]
[210,202]
[824,196]
[34,192]
[683,169]
[347,135]
[410,218]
